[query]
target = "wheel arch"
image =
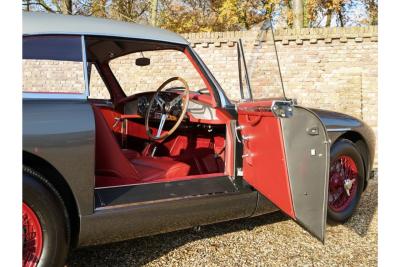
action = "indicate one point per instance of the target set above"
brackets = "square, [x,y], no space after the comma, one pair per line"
[54,177]
[362,146]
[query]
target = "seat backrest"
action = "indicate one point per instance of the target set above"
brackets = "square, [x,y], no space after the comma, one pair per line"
[110,161]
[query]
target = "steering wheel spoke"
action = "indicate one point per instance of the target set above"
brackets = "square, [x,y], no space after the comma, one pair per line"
[166,109]
[160,101]
[161,126]
[176,100]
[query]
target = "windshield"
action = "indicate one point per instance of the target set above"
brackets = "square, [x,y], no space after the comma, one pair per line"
[163,65]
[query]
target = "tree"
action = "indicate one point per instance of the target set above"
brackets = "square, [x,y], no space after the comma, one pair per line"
[372,9]
[217,15]
[318,10]
[154,11]
[54,6]
[214,15]
[97,8]
[128,10]
[298,12]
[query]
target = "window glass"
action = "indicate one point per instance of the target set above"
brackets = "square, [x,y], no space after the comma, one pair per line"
[98,89]
[164,64]
[52,64]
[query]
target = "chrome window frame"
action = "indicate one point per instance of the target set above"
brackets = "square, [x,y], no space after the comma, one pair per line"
[224,100]
[72,96]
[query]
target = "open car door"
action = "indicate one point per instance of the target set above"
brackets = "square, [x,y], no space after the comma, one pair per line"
[286,158]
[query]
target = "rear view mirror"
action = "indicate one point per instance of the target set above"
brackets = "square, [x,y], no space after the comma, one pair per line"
[142,61]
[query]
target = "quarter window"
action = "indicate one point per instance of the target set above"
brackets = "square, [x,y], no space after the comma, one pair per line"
[52,64]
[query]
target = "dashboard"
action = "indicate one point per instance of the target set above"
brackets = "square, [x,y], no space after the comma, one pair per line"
[197,110]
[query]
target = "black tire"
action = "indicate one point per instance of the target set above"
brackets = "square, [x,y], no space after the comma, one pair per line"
[48,206]
[345,147]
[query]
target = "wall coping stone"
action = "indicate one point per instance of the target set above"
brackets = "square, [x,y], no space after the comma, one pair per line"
[359,34]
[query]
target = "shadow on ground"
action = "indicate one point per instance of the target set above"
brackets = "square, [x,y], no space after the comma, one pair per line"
[361,221]
[147,249]
[141,251]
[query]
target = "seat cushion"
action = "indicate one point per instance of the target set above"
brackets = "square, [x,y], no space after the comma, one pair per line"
[131,154]
[150,169]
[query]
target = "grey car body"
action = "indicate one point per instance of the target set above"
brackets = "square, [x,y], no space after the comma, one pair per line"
[59,141]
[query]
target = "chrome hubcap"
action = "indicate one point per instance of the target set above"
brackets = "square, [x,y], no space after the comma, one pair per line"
[348,184]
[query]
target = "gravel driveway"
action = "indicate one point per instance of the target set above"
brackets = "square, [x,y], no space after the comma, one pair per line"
[270,240]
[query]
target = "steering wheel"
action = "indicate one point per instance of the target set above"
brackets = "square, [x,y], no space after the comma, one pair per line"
[166,107]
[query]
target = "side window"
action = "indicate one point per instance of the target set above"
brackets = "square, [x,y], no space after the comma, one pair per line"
[97,88]
[52,64]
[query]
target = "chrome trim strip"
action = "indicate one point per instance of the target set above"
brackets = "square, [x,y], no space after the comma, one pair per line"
[337,129]
[85,66]
[191,177]
[32,95]
[145,202]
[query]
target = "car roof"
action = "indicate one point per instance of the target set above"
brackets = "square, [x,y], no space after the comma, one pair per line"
[39,23]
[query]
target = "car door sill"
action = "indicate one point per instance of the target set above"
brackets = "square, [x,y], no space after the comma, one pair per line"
[114,197]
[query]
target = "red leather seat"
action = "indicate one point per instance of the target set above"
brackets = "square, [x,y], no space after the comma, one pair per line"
[160,168]
[114,168]
[131,154]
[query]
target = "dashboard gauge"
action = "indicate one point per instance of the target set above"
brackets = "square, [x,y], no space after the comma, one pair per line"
[143,103]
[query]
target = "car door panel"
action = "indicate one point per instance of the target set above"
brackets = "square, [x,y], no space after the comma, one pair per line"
[257,159]
[286,159]
[307,156]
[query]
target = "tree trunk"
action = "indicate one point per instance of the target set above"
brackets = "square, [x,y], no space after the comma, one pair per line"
[306,17]
[28,5]
[66,7]
[298,12]
[154,6]
[328,18]
[372,7]
[341,18]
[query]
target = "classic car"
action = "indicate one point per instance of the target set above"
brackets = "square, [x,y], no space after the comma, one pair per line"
[154,156]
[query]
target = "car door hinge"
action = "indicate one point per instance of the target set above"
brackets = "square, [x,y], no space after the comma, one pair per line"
[282,108]
[238,128]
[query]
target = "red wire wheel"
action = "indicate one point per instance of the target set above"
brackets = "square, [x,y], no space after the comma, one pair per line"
[32,237]
[343,183]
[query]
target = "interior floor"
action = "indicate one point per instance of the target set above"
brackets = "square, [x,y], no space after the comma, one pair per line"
[125,155]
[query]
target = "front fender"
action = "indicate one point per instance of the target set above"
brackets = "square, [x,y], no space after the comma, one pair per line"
[342,125]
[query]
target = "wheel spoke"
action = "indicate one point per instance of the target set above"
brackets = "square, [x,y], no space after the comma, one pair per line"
[342,183]
[32,237]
